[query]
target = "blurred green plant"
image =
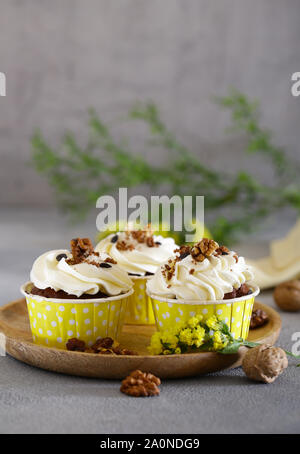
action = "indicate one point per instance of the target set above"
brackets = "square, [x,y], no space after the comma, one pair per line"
[79,175]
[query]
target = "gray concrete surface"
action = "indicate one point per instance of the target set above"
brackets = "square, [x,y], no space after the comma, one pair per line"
[63,56]
[36,401]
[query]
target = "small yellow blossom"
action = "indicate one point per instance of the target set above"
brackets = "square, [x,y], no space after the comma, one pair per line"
[186,336]
[167,337]
[219,341]
[155,347]
[198,336]
[193,322]
[196,332]
[212,322]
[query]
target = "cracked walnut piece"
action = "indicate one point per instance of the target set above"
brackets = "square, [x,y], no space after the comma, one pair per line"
[103,346]
[80,248]
[140,384]
[258,318]
[264,363]
[75,345]
[205,248]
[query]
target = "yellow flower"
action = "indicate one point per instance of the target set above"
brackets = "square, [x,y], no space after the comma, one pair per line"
[212,322]
[166,352]
[198,336]
[167,337]
[219,340]
[178,350]
[193,322]
[155,347]
[186,336]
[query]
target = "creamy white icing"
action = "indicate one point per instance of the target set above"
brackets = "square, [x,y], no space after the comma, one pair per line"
[141,259]
[204,281]
[78,279]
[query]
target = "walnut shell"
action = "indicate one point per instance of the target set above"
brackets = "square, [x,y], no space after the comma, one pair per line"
[287,296]
[264,363]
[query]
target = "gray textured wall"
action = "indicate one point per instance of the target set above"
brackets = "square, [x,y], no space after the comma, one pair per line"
[62,56]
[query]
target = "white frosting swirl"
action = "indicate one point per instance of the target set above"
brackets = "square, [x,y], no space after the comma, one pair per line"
[80,278]
[142,258]
[205,281]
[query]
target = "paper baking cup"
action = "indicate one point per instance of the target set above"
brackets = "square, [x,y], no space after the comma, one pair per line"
[235,312]
[139,308]
[54,321]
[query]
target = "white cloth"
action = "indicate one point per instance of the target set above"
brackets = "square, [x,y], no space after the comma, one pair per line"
[283,263]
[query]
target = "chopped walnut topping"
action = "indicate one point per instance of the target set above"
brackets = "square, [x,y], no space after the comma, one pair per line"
[183,251]
[205,248]
[123,246]
[81,248]
[110,260]
[150,242]
[83,252]
[222,250]
[140,235]
[144,236]
[168,269]
[93,262]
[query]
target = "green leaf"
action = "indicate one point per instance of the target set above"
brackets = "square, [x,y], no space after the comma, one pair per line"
[231,348]
[250,344]
[291,354]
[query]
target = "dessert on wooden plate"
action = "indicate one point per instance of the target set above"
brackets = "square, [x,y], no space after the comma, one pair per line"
[204,279]
[76,302]
[140,254]
[79,293]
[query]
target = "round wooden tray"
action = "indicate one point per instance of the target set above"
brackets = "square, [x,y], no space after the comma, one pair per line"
[14,323]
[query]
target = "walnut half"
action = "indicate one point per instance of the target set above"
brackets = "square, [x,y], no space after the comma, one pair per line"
[140,384]
[258,318]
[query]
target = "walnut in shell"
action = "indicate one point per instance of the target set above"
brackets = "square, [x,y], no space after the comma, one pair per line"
[287,296]
[264,363]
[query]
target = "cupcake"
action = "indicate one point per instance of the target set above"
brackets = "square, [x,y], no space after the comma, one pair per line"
[82,293]
[203,279]
[140,254]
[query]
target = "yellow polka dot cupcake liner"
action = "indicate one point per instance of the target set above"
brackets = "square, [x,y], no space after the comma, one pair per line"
[54,321]
[139,308]
[235,312]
